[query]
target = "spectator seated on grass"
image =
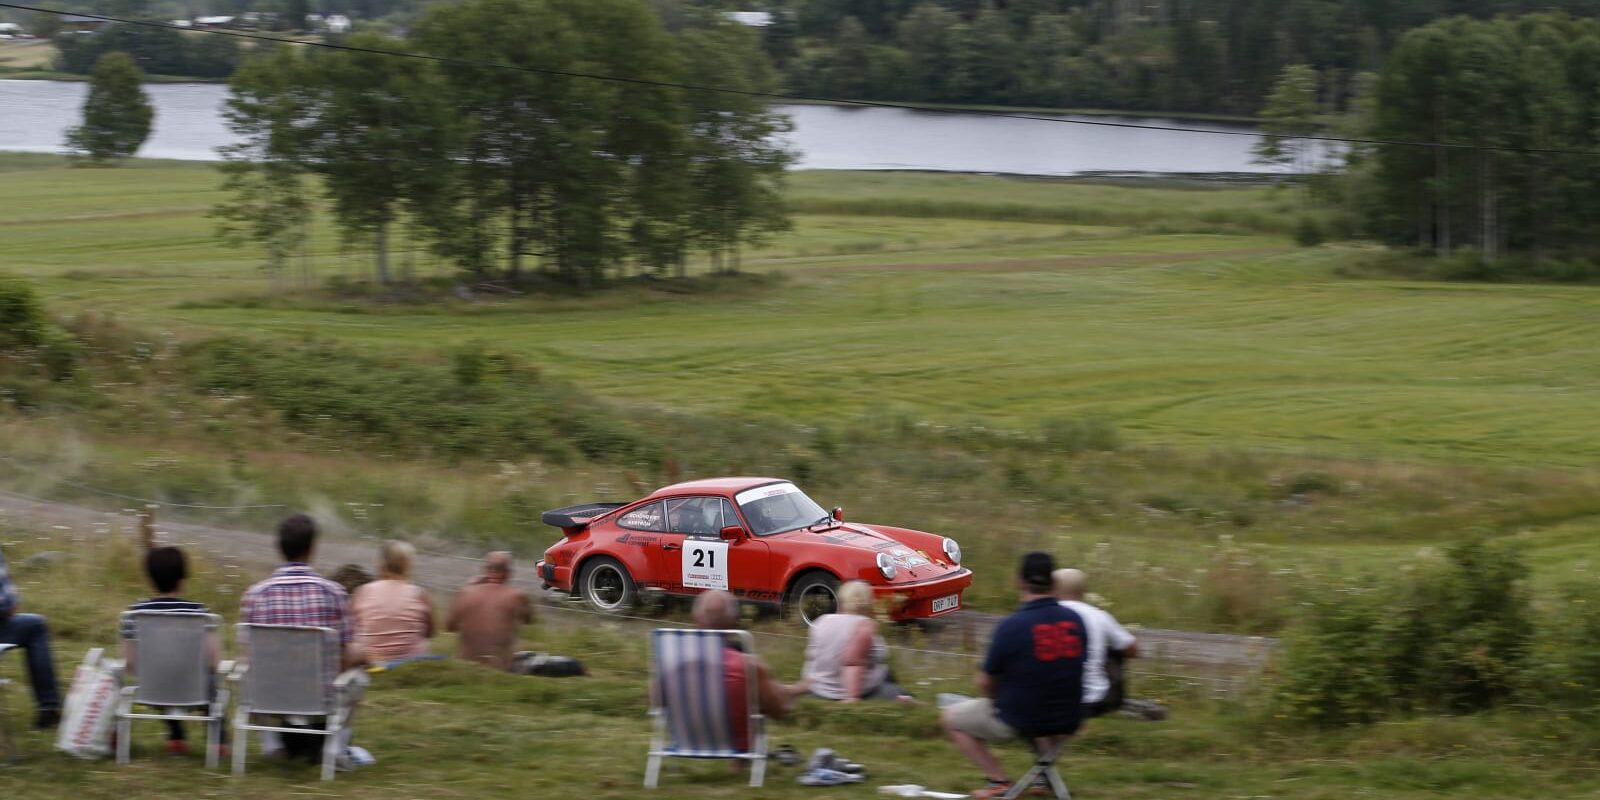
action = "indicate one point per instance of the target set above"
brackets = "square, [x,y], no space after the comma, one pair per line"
[488,613]
[29,632]
[1032,679]
[168,571]
[296,595]
[1109,643]
[393,616]
[846,658]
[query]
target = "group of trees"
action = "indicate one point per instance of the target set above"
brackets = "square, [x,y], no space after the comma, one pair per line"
[1518,97]
[1220,56]
[156,50]
[502,159]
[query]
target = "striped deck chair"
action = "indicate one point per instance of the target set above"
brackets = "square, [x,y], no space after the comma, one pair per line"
[692,709]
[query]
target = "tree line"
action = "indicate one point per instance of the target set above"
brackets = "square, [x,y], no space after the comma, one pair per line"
[1519,96]
[1214,56]
[502,171]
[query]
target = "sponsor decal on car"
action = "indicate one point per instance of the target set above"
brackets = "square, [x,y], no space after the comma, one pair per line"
[764,492]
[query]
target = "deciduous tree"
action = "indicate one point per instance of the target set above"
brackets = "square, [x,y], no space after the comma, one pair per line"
[117,113]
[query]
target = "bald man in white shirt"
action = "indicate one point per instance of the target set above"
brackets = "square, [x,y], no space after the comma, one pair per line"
[1106,636]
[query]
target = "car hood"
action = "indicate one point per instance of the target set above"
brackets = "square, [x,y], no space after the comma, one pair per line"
[868,541]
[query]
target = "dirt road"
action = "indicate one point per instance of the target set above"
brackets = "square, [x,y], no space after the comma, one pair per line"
[1190,655]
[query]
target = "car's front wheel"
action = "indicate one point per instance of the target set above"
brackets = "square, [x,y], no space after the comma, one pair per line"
[815,594]
[607,586]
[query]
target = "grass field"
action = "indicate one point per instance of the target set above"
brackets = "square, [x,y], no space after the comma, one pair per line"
[1234,366]
[457,731]
[917,349]
[1194,339]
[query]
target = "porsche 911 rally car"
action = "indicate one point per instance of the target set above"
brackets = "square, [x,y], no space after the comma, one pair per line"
[762,539]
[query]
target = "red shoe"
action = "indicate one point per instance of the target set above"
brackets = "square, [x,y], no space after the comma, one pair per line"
[224,752]
[177,747]
[995,789]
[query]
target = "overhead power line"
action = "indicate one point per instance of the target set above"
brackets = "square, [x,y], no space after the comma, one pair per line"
[793,98]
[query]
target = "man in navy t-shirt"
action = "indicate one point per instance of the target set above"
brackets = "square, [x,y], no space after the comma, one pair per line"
[1033,676]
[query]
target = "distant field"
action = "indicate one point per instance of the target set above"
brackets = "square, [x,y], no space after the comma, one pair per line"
[1209,339]
[27,54]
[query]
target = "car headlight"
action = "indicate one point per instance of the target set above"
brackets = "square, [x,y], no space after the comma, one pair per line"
[886,566]
[952,551]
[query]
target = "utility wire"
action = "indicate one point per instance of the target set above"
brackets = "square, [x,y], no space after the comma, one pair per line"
[779,96]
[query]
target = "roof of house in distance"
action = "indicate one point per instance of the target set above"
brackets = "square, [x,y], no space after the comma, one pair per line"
[755,19]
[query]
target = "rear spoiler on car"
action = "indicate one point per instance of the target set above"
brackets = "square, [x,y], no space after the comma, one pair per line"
[573,519]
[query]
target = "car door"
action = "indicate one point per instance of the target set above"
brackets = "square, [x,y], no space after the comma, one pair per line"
[645,530]
[706,560]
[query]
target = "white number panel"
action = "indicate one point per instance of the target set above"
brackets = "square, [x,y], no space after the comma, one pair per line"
[705,564]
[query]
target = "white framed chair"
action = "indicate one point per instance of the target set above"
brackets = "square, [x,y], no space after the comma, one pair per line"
[284,671]
[8,736]
[174,675]
[690,706]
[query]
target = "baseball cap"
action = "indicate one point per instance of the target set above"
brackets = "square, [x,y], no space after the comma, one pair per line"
[1036,569]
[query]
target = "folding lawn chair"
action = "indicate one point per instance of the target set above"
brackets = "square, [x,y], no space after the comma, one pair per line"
[287,675]
[1046,752]
[692,709]
[7,735]
[175,676]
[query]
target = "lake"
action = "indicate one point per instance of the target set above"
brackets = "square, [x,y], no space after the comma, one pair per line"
[34,117]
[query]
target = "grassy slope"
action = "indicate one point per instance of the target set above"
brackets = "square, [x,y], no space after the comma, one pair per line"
[453,731]
[1228,346]
[1212,342]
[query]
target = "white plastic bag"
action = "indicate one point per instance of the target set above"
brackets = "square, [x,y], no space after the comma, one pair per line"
[91,707]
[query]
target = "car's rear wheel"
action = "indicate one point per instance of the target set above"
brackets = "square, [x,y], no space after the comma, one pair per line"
[607,586]
[815,594]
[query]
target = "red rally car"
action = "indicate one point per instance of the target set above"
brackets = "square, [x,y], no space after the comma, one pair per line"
[762,539]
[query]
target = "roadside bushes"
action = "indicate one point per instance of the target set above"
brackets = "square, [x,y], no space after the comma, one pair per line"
[479,406]
[34,352]
[1451,636]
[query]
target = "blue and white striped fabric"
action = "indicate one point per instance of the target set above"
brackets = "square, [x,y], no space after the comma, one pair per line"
[694,694]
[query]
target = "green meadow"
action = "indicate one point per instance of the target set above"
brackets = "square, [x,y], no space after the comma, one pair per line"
[911,349]
[1090,307]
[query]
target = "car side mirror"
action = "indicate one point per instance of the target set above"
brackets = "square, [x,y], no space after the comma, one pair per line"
[732,533]
[838,513]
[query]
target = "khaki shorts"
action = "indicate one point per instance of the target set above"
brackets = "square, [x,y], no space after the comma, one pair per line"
[978,718]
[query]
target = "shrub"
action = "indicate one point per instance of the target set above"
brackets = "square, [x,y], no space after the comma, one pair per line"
[1309,232]
[1567,652]
[453,411]
[22,318]
[1450,637]
[1332,671]
[1459,633]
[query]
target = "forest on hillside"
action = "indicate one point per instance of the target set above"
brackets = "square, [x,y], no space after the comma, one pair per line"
[1212,56]
[1194,56]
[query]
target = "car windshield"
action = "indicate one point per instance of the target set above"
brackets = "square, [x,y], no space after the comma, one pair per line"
[778,507]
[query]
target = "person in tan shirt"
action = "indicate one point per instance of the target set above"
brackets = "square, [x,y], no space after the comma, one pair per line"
[393,616]
[488,613]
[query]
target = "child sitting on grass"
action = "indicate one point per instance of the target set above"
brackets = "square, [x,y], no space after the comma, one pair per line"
[168,569]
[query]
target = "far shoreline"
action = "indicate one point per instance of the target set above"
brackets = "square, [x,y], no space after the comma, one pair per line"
[970,108]
[1198,179]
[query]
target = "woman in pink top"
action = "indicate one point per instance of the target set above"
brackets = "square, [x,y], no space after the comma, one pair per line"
[394,617]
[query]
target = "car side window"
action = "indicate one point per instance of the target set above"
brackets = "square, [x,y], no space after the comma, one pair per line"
[648,517]
[696,516]
[727,517]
